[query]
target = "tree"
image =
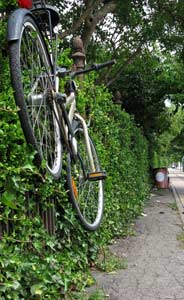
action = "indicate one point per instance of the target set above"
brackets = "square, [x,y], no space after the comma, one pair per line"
[167,146]
[146,38]
[122,29]
[145,86]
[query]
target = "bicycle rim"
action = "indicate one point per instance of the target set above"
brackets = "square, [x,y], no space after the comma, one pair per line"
[86,196]
[33,82]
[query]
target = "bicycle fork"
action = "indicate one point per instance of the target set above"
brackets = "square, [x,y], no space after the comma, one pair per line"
[88,147]
[70,101]
[68,129]
[94,175]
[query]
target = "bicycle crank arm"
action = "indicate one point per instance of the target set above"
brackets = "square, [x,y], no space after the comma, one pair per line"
[95,176]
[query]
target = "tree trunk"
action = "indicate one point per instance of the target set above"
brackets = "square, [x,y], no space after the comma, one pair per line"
[96,16]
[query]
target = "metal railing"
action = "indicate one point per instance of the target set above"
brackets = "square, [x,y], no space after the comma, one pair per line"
[47,214]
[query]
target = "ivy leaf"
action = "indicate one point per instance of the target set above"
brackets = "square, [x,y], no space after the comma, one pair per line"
[51,245]
[8,199]
[16,285]
[16,181]
[2,288]
[36,289]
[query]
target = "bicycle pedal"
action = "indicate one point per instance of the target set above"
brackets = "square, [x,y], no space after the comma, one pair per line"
[94,176]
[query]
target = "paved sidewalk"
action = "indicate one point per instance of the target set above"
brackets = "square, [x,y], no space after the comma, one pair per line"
[155,255]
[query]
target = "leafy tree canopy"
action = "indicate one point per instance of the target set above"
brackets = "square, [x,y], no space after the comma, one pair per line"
[146,38]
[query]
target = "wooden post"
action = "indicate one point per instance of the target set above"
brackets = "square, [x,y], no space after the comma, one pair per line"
[78,56]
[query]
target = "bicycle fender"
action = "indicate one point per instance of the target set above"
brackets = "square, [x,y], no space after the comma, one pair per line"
[15,22]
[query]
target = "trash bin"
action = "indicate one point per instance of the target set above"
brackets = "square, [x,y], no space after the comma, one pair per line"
[161,178]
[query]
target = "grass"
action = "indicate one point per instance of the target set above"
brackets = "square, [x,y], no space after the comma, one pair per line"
[95,295]
[180,237]
[173,206]
[108,262]
[98,295]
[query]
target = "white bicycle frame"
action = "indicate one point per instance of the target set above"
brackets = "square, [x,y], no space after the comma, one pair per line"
[71,104]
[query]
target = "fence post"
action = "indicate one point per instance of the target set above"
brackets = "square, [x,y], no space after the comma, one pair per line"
[78,56]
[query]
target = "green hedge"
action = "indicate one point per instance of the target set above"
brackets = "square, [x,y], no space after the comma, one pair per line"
[33,264]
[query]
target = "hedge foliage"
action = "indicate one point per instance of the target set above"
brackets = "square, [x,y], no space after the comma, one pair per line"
[33,264]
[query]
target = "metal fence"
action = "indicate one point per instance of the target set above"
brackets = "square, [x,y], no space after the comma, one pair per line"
[48,216]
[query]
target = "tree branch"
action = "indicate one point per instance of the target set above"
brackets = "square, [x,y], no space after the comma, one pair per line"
[107,8]
[89,5]
[126,63]
[95,17]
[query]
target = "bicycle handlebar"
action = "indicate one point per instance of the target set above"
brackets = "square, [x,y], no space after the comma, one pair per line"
[94,67]
[103,65]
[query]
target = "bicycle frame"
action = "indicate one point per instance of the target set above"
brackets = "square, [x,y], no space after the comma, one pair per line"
[71,103]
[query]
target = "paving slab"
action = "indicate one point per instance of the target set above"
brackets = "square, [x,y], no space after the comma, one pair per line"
[155,255]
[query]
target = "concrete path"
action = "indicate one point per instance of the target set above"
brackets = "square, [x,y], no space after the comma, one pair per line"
[155,255]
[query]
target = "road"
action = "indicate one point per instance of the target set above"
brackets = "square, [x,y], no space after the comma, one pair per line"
[155,255]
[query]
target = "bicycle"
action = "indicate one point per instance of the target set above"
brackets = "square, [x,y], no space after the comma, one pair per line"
[49,119]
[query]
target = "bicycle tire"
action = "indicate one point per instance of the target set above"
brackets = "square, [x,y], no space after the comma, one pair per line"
[33,84]
[86,196]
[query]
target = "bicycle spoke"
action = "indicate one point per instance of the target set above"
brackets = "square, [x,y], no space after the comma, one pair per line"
[89,199]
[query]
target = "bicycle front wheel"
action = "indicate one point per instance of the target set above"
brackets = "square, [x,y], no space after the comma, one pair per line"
[87,196]
[33,82]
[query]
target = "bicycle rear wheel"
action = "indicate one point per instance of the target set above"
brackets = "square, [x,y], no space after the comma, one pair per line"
[33,82]
[87,196]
